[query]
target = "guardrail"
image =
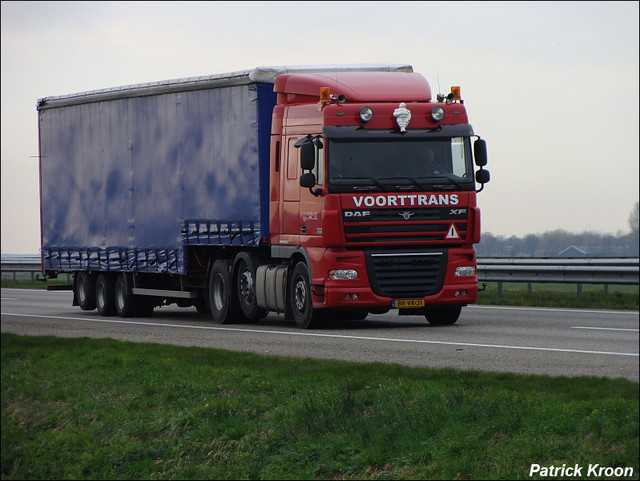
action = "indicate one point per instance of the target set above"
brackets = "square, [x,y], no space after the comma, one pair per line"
[21,265]
[623,270]
[578,271]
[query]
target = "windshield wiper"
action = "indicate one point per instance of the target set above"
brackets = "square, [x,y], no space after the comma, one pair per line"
[402,177]
[377,185]
[451,178]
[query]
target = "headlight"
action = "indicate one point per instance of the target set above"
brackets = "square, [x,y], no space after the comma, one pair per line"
[343,274]
[437,113]
[465,271]
[366,114]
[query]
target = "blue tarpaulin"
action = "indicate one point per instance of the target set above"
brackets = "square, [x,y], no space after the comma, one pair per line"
[129,178]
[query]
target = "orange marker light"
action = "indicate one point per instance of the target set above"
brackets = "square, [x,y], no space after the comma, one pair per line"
[325,95]
[456,93]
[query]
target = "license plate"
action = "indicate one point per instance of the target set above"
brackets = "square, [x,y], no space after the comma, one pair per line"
[408,303]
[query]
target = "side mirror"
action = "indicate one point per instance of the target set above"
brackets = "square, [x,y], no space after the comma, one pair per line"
[307,156]
[480,152]
[308,180]
[483,176]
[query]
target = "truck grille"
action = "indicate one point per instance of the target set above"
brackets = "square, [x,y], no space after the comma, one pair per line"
[399,274]
[404,226]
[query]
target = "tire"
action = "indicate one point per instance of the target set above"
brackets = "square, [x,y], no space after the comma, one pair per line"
[219,292]
[85,291]
[144,306]
[441,316]
[245,287]
[126,304]
[300,300]
[105,298]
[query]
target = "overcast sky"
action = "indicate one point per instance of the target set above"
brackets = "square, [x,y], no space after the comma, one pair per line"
[551,86]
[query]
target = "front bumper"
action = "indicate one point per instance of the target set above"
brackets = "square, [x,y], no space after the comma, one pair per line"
[369,292]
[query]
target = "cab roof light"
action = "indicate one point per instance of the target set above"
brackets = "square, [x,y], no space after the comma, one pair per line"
[454,96]
[325,95]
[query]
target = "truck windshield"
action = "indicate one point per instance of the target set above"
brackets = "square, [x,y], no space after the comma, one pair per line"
[385,165]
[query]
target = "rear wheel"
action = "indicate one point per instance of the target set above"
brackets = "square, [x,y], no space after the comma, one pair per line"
[86,291]
[105,298]
[246,287]
[440,316]
[126,304]
[304,314]
[220,292]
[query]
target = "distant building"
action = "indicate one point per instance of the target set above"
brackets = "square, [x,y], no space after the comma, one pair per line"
[572,251]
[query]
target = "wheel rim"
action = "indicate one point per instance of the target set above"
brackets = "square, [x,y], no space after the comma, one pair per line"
[246,287]
[300,295]
[218,292]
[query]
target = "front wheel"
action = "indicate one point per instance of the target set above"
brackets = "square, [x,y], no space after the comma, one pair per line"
[304,314]
[440,316]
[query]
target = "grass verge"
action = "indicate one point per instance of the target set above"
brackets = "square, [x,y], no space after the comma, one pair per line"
[26,283]
[106,409]
[593,296]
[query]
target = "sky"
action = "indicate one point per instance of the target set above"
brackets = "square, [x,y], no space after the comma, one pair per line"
[551,86]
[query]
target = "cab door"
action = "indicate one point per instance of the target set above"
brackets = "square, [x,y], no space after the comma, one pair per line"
[290,188]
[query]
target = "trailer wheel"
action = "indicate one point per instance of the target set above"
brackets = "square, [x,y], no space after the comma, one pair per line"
[85,291]
[245,277]
[219,291]
[126,304]
[304,314]
[440,316]
[105,298]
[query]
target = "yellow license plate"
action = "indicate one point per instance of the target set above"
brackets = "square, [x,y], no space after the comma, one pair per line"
[408,303]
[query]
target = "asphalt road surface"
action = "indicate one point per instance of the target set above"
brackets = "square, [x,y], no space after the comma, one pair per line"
[557,342]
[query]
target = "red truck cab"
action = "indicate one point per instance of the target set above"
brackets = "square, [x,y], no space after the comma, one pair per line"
[373,186]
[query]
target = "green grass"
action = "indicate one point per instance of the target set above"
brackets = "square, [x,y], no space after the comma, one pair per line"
[27,283]
[593,296]
[106,409]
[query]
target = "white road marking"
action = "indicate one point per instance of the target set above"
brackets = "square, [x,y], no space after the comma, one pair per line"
[605,328]
[530,308]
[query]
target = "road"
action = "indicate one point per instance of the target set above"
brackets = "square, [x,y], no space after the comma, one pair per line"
[556,342]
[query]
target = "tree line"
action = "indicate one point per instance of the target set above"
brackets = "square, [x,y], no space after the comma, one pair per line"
[560,243]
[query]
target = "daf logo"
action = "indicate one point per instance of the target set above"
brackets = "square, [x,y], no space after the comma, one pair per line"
[406,214]
[357,213]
